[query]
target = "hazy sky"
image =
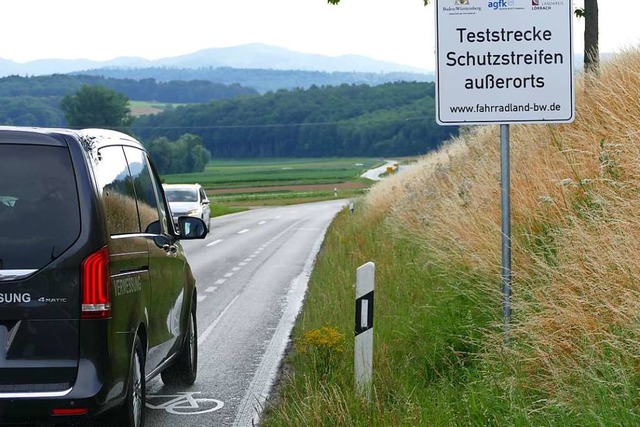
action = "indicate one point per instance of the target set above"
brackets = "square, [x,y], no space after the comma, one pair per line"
[400,31]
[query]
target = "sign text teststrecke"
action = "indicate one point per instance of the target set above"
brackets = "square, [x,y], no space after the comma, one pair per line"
[505,61]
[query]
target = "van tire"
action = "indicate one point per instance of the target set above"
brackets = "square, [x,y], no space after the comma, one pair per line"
[131,413]
[185,369]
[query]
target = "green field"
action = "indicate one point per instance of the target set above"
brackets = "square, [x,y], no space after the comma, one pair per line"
[141,108]
[260,182]
[229,174]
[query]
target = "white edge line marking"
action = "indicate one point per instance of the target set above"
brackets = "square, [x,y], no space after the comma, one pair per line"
[215,242]
[262,382]
[203,336]
[243,231]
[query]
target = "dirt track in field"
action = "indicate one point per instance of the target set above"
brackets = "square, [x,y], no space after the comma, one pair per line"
[314,187]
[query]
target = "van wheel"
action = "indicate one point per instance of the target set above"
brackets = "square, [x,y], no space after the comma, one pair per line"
[185,369]
[131,414]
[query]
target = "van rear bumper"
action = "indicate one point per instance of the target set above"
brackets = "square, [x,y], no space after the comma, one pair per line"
[41,410]
[99,385]
[75,404]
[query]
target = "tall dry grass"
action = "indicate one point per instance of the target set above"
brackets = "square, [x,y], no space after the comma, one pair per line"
[575,200]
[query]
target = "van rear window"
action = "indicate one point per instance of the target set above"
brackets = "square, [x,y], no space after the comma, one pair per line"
[39,209]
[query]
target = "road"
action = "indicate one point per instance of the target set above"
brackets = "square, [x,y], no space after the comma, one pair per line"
[251,272]
[374,174]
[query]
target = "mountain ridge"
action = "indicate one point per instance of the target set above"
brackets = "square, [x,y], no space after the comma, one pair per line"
[248,56]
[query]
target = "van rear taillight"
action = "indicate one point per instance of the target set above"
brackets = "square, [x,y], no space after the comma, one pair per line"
[96,302]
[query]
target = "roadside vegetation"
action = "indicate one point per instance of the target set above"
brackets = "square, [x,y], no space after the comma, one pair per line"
[434,233]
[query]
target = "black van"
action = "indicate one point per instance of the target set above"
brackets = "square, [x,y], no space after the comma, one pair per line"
[96,295]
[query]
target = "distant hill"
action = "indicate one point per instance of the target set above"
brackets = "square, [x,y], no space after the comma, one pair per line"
[262,80]
[248,56]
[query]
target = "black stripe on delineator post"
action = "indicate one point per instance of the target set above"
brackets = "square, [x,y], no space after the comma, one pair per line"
[363,303]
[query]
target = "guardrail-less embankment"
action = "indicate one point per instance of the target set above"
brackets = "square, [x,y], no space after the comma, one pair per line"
[434,234]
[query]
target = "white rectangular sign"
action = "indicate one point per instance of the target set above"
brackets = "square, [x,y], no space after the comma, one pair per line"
[504,61]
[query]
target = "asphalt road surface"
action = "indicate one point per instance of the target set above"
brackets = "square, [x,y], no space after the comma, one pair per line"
[252,271]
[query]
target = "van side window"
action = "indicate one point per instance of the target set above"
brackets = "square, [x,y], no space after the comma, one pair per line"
[117,191]
[149,208]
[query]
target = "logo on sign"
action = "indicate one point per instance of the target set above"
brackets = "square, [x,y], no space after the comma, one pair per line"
[461,7]
[545,5]
[500,4]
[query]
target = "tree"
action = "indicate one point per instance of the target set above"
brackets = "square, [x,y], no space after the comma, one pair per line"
[187,154]
[591,45]
[97,106]
[190,154]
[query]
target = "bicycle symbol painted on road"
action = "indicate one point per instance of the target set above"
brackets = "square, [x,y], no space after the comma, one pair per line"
[184,403]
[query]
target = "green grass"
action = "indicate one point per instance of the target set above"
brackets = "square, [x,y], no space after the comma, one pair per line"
[219,209]
[285,196]
[427,334]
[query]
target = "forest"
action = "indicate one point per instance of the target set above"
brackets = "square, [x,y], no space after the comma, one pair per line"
[148,89]
[35,100]
[392,119]
[232,121]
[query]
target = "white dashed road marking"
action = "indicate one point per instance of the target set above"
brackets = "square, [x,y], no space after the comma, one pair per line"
[239,266]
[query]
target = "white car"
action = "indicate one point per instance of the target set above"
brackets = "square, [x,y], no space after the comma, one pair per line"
[188,200]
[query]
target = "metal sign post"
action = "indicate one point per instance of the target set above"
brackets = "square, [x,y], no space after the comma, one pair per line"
[505,204]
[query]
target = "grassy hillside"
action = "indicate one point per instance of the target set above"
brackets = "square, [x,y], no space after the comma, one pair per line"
[434,234]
